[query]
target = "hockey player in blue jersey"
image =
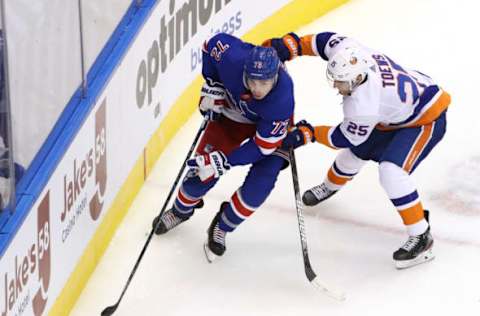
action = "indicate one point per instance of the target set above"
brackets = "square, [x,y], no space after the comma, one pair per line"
[249,97]
[392,115]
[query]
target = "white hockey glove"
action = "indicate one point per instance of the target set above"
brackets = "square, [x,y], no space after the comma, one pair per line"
[209,166]
[212,100]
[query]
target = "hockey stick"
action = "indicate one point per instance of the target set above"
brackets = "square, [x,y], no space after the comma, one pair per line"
[311,276]
[111,309]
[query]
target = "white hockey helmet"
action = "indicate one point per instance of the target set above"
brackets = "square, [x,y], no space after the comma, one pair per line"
[346,65]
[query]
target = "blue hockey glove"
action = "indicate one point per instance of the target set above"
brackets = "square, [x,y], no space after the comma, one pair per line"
[288,46]
[302,134]
[209,166]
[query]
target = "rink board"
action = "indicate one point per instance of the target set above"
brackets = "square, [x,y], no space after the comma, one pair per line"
[134,115]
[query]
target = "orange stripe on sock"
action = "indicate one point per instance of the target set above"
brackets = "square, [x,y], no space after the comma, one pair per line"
[333,178]
[418,147]
[413,214]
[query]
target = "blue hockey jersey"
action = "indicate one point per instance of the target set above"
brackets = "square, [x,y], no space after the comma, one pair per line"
[223,60]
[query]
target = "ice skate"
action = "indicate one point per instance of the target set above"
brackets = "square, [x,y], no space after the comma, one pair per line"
[214,246]
[416,250]
[169,220]
[317,194]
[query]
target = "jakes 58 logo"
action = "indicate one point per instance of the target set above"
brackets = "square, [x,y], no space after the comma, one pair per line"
[21,286]
[17,294]
[92,164]
[96,202]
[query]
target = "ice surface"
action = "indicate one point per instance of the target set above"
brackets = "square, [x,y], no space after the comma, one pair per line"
[351,237]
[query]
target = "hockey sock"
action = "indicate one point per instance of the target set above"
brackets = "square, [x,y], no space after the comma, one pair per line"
[235,213]
[402,192]
[185,203]
[345,167]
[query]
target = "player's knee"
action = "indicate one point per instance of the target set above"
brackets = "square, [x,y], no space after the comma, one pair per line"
[390,174]
[267,179]
[347,161]
[256,192]
[270,167]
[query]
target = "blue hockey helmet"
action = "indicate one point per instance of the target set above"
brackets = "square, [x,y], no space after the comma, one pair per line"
[262,63]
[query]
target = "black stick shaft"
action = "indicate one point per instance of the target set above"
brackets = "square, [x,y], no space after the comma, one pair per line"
[301,223]
[111,309]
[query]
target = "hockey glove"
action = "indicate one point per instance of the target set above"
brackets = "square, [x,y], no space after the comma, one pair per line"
[212,100]
[209,166]
[288,46]
[301,134]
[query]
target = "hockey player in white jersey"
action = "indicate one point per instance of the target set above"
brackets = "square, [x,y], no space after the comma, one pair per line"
[392,115]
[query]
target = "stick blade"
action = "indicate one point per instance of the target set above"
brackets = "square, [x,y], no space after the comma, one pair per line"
[327,290]
[109,310]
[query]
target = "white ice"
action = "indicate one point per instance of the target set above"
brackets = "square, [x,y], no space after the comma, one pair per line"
[350,237]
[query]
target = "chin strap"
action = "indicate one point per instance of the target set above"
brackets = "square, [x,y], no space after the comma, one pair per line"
[364,79]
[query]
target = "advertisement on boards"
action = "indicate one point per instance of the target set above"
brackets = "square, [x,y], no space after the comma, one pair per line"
[161,62]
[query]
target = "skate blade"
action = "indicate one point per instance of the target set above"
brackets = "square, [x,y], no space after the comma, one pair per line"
[422,258]
[209,255]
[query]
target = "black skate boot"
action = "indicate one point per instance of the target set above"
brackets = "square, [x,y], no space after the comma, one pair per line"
[416,250]
[169,220]
[215,245]
[317,194]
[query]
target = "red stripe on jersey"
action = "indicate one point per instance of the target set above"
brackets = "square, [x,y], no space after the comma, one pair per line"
[204,47]
[240,207]
[265,144]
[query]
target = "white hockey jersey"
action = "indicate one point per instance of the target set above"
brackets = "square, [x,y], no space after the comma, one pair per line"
[391,97]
